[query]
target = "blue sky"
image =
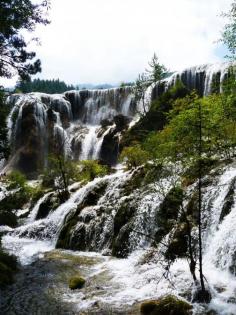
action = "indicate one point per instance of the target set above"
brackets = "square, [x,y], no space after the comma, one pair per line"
[100,41]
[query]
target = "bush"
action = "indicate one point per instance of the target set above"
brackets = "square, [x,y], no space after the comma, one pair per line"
[90,169]
[134,156]
[16,180]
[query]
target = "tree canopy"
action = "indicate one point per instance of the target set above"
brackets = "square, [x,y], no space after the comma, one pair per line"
[45,86]
[18,16]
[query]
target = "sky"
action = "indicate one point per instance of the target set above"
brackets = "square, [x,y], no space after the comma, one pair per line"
[111,41]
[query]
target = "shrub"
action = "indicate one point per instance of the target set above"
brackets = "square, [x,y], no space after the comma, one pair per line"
[134,156]
[16,180]
[90,169]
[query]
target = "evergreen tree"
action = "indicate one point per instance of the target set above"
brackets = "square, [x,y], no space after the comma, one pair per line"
[44,86]
[17,16]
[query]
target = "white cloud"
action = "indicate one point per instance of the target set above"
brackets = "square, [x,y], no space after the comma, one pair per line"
[112,40]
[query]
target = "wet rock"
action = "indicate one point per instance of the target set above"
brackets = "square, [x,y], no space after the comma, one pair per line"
[8,218]
[122,122]
[8,268]
[229,200]
[48,205]
[168,212]
[110,147]
[168,305]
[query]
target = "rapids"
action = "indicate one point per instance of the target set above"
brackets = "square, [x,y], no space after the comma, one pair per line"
[115,284]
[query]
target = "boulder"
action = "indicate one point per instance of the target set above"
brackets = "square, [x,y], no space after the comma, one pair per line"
[167,305]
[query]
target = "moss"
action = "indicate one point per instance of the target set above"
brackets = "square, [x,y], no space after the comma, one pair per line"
[135,181]
[192,173]
[8,218]
[168,305]
[65,234]
[76,282]
[15,201]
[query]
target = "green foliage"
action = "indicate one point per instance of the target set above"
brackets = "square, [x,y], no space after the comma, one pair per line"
[214,116]
[44,86]
[83,171]
[229,31]
[156,118]
[90,169]
[16,180]
[155,73]
[134,156]
[18,16]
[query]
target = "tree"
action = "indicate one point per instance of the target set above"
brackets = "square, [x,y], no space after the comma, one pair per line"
[44,86]
[229,31]
[157,71]
[18,16]
[151,76]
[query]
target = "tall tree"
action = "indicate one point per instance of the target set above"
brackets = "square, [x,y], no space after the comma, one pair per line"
[229,31]
[18,16]
[155,73]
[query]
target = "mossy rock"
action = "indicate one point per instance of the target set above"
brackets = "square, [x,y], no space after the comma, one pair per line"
[65,234]
[168,212]
[168,305]
[178,245]
[76,282]
[124,214]
[8,268]
[50,204]
[192,173]
[8,218]
[121,244]
[15,201]
[135,181]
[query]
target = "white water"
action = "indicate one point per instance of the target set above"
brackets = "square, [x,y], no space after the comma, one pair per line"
[136,279]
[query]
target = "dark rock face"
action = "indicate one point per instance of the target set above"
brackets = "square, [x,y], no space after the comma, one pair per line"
[229,201]
[110,148]
[8,218]
[48,205]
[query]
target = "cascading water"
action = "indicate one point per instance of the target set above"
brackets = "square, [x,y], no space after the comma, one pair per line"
[107,214]
[137,277]
[205,79]
[77,121]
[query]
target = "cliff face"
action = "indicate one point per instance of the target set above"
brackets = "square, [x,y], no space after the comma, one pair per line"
[88,124]
[77,122]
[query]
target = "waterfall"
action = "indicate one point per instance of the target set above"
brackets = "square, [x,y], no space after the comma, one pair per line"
[74,121]
[205,79]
